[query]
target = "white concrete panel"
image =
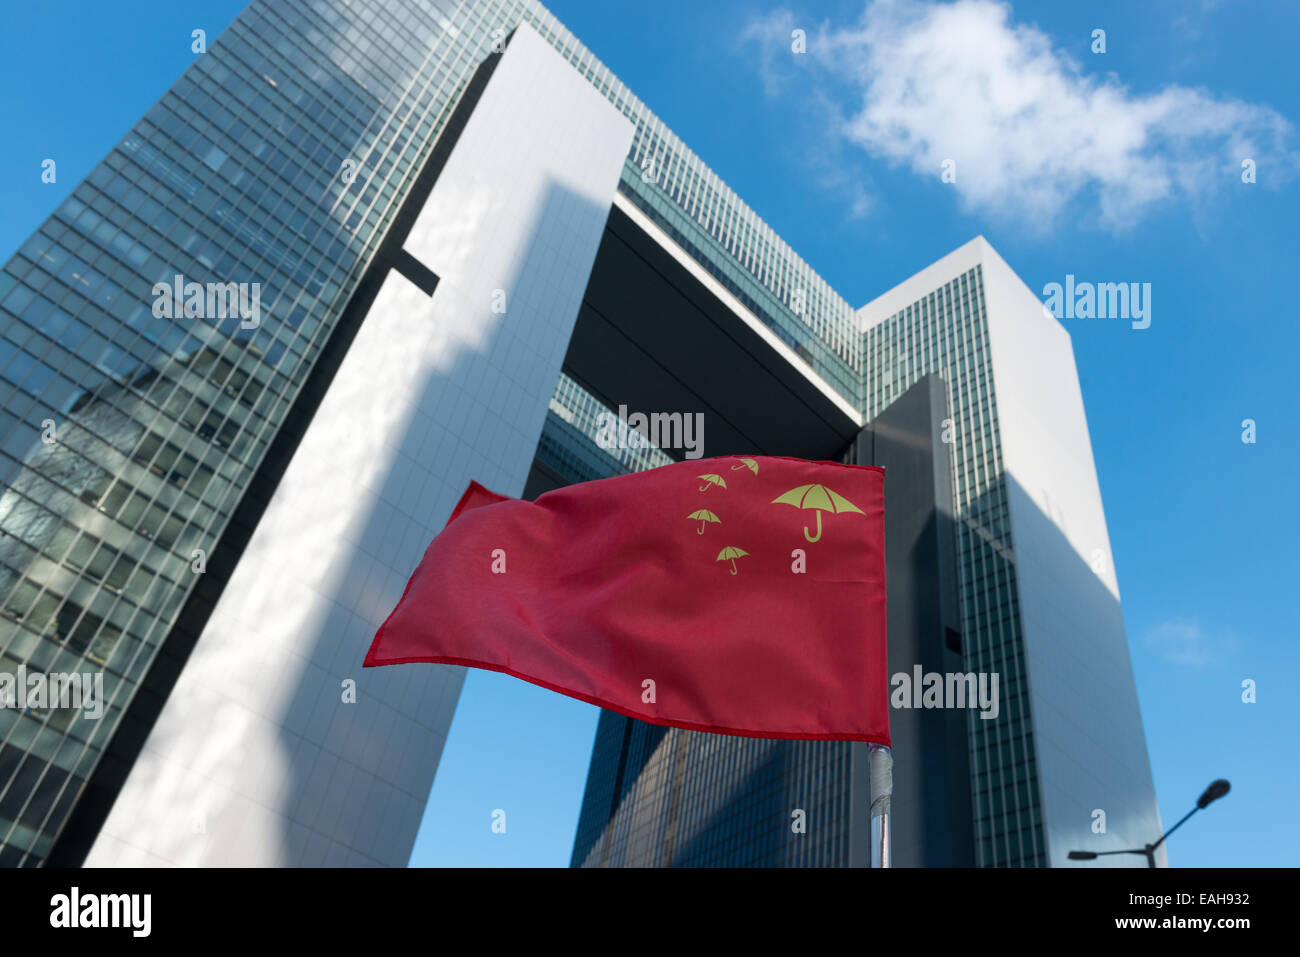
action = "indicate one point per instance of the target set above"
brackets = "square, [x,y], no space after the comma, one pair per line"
[255,759]
[1045,441]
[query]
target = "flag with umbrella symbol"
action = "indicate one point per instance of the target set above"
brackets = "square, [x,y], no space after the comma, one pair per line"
[810,647]
[704,517]
[731,552]
[712,478]
[820,499]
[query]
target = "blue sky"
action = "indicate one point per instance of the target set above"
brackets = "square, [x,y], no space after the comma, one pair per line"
[1114,166]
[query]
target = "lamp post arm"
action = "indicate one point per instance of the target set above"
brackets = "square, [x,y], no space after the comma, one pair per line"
[1174,828]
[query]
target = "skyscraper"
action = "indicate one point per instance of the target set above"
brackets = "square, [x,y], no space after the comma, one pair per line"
[417,242]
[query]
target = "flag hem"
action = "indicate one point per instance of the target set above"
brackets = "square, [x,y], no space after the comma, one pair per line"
[371,662]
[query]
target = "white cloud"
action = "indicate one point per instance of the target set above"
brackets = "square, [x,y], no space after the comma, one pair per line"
[1185,642]
[1030,132]
[771,36]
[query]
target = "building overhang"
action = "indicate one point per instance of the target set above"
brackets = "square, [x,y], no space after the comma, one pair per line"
[656,333]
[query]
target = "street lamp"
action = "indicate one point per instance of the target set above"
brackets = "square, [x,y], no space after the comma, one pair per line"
[1216,790]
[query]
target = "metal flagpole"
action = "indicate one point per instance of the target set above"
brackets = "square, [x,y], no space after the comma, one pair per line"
[882,789]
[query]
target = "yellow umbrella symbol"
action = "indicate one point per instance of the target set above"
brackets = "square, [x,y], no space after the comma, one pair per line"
[817,497]
[703,515]
[746,464]
[711,478]
[731,552]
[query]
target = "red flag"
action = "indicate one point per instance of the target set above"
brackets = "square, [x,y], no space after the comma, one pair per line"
[736,595]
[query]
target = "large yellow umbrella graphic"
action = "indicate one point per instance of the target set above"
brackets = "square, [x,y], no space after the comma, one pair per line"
[703,516]
[711,478]
[817,497]
[731,552]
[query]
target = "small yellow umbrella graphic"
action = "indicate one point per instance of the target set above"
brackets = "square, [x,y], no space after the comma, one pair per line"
[704,516]
[731,552]
[817,497]
[711,478]
[745,463]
